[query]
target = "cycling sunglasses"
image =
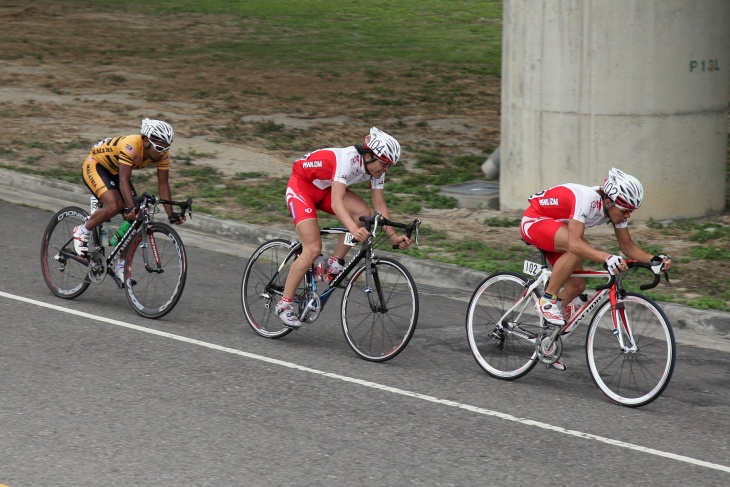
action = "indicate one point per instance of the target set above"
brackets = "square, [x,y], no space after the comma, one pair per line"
[159,148]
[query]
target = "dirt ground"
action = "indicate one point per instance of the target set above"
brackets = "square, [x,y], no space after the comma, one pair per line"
[74,77]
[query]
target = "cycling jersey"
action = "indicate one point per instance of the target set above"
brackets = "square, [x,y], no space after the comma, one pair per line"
[101,168]
[126,149]
[310,185]
[344,165]
[553,208]
[572,202]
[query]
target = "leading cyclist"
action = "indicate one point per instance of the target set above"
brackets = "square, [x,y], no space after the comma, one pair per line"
[320,180]
[555,222]
[107,172]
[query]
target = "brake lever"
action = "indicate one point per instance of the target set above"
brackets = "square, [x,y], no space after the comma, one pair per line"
[189,206]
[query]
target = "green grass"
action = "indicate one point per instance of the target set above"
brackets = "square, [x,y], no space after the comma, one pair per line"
[73,176]
[430,44]
[304,33]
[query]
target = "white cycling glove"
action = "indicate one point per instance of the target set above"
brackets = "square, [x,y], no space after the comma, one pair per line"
[613,262]
[659,259]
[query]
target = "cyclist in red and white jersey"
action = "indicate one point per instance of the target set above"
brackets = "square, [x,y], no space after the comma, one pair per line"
[320,181]
[556,221]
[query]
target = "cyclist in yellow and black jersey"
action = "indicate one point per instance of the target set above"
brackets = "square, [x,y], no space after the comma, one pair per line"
[107,173]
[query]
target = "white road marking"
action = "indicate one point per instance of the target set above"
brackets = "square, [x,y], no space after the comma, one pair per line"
[375,385]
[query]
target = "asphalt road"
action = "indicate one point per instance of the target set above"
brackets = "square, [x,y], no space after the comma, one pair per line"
[91,394]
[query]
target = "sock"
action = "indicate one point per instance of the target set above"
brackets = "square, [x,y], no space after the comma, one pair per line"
[85,230]
[549,297]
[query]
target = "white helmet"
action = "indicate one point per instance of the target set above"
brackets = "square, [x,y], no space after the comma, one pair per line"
[623,189]
[158,130]
[385,147]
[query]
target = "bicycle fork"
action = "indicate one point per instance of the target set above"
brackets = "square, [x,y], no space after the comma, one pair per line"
[620,320]
[371,277]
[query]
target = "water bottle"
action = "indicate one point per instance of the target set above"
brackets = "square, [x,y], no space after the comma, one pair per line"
[320,268]
[104,238]
[114,239]
[335,267]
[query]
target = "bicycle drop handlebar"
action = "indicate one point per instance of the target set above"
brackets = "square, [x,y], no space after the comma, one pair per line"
[147,199]
[655,268]
[378,219]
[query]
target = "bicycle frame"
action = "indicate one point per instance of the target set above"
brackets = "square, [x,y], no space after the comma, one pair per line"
[144,203]
[630,347]
[367,251]
[611,288]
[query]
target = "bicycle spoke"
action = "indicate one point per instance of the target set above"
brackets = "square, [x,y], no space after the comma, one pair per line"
[631,377]
[65,273]
[262,287]
[503,346]
[155,274]
[379,319]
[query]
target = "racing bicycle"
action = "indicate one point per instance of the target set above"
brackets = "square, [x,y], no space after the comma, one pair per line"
[155,267]
[630,346]
[380,301]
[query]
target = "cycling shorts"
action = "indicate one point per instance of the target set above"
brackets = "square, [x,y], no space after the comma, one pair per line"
[539,230]
[304,199]
[98,178]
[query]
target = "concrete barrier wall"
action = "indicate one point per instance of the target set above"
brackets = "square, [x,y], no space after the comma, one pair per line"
[642,85]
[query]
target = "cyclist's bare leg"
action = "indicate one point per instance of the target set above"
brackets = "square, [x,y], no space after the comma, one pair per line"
[308,231]
[566,264]
[113,205]
[357,208]
[573,287]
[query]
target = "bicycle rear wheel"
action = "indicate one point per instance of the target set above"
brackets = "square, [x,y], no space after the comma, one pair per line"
[379,331]
[263,285]
[631,378]
[65,272]
[154,275]
[505,351]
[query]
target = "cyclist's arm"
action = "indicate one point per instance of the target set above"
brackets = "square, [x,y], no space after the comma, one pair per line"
[163,188]
[575,243]
[125,187]
[378,197]
[343,214]
[629,248]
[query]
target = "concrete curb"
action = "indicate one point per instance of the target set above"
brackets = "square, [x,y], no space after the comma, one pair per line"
[704,328]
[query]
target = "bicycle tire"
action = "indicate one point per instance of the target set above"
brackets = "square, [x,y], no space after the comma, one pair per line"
[65,273]
[154,292]
[632,379]
[381,334]
[501,352]
[262,287]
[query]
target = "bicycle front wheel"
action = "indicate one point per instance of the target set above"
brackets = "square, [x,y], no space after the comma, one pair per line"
[65,273]
[379,320]
[263,285]
[503,344]
[155,273]
[632,376]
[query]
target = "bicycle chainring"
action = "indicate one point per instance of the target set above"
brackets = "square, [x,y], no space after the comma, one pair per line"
[97,267]
[309,306]
[548,352]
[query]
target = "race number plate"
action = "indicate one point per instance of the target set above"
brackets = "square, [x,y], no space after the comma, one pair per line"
[93,204]
[530,268]
[350,239]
